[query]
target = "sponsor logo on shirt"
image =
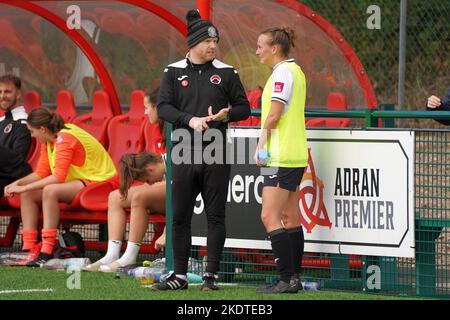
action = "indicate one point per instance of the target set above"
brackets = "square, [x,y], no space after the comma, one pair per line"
[182,77]
[278,87]
[215,79]
[59,139]
[8,128]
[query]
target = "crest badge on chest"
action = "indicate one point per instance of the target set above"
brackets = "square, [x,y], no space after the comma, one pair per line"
[8,128]
[216,79]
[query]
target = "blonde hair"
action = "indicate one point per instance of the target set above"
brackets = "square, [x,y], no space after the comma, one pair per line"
[282,36]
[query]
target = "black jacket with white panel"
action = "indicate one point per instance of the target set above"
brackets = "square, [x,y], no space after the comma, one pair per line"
[187,90]
[445,106]
[15,141]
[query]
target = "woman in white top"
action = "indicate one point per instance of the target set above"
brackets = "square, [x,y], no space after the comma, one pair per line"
[283,135]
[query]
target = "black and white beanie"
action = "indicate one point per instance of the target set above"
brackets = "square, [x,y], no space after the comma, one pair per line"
[198,29]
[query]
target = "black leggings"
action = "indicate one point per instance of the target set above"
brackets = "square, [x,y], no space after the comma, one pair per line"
[188,181]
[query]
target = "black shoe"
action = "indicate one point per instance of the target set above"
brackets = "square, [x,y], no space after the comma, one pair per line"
[278,287]
[296,283]
[210,281]
[172,282]
[40,260]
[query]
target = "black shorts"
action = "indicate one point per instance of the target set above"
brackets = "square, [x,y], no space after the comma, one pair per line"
[284,178]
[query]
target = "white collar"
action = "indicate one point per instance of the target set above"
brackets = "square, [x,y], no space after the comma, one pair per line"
[287,60]
[18,113]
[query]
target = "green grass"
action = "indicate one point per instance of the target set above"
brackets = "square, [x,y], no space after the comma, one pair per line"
[100,286]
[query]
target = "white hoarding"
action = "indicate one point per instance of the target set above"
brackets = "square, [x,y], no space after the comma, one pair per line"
[358,193]
[356,196]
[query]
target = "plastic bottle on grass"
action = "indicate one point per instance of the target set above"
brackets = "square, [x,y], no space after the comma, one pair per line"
[63,264]
[310,285]
[157,263]
[191,277]
[195,266]
[77,262]
[55,264]
[194,278]
[122,271]
[147,275]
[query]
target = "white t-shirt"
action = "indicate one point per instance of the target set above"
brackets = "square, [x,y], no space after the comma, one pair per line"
[282,82]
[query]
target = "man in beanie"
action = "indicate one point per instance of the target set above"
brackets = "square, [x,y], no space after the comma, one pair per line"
[200,96]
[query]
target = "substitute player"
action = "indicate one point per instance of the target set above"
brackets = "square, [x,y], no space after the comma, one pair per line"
[70,159]
[283,134]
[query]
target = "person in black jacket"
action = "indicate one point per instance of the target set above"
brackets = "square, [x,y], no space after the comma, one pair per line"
[15,139]
[436,104]
[199,95]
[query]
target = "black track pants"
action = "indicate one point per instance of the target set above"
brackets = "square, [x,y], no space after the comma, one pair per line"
[187,182]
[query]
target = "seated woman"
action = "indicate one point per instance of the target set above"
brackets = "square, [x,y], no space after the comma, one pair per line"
[70,159]
[142,199]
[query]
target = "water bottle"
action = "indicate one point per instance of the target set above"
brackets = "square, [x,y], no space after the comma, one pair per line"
[122,271]
[77,263]
[63,264]
[55,264]
[194,278]
[310,285]
[157,263]
[263,156]
[195,266]
[147,275]
[132,272]
[191,277]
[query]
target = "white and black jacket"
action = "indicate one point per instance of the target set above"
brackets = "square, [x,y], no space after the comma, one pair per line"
[187,90]
[15,141]
[445,106]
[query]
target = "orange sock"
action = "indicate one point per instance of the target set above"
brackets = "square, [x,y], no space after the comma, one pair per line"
[49,240]
[29,238]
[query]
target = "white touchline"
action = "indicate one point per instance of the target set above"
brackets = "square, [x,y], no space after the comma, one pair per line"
[26,291]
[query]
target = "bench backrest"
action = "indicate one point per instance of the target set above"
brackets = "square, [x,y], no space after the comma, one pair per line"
[96,122]
[65,105]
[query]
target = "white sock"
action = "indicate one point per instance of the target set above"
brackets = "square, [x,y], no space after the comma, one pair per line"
[113,252]
[130,255]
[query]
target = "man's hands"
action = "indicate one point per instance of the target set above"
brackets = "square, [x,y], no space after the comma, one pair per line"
[201,123]
[433,102]
[219,116]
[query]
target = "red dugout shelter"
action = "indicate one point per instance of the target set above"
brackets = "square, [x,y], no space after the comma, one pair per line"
[124,45]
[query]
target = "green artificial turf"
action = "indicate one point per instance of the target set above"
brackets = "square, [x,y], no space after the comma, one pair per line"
[101,286]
